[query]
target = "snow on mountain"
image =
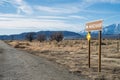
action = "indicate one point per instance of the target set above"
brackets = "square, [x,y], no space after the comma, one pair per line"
[111,29]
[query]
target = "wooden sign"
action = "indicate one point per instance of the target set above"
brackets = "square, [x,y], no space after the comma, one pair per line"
[90,26]
[96,25]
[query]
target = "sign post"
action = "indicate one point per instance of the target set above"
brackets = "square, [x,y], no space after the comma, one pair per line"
[99,53]
[88,38]
[95,25]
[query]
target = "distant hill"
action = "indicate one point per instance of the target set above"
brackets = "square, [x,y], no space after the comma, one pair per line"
[67,35]
[111,31]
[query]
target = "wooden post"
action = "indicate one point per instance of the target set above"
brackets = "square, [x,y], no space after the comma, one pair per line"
[99,53]
[89,53]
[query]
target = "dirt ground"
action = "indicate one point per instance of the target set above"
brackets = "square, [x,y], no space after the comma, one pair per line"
[73,55]
[20,65]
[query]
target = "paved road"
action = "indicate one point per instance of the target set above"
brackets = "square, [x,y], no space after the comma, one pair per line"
[20,65]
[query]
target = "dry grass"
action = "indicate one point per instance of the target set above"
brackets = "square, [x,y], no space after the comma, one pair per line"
[18,44]
[73,54]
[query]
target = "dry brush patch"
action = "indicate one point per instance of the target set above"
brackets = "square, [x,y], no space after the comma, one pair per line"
[73,54]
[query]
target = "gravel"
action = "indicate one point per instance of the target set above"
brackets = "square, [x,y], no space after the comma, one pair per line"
[20,65]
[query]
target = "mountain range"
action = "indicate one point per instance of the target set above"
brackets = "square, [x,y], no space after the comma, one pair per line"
[22,36]
[111,31]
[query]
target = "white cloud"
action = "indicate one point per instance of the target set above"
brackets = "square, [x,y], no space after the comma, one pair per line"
[78,17]
[21,5]
[108,1]
[69,17]
[10,21]
[10,15]
[67,8]
[57,9]
[70,8]
[51,17]
[40,24]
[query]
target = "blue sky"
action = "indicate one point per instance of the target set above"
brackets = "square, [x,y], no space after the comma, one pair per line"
[17,16]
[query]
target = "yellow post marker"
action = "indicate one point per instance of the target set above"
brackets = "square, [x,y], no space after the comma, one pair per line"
[88,38]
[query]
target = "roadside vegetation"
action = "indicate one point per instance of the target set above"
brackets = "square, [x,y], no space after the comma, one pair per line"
[73,54]
[57,36]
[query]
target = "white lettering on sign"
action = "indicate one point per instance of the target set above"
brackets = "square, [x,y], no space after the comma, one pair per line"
[96,25]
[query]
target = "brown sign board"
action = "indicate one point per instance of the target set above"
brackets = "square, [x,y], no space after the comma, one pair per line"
[96,25]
